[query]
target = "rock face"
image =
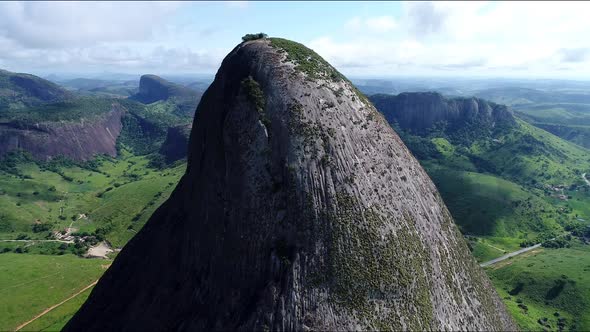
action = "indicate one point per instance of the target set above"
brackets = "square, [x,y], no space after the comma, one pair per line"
[300,209]
[420,111]
[78,140]
[176,144]
[153,88]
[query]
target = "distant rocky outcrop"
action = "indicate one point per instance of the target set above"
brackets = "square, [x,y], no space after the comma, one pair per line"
[23,90]
[79,140]
[176,144]
[301,209]
[420,111]
[153,88]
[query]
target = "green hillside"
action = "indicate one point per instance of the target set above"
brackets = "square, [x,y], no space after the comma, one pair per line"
[145,126]
[154,89]
[52,212]
[507,185]
[18,90]
[547,289]
[488,205]
[31,283]
[566,120]
[69,110]
[108,199]
[109,192]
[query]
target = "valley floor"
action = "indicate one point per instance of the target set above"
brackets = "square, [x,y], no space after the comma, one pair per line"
[50,309]
[52,219]
[32,284]
[45,213]
[546,289]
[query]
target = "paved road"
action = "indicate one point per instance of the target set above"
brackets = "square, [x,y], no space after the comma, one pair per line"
[518,252]
[512,254]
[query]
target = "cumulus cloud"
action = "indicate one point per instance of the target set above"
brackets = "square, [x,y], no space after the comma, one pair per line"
[65,36]
[185,58]
[73,24]
[425,18]
[483,37]
[112,57]
[469,37]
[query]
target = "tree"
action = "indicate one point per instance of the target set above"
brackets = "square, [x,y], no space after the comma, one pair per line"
[41,227]
[254,36]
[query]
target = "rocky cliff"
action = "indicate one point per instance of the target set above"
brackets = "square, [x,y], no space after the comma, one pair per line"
[176,144]
[420,111]
[79,140]
[301,209]
[153,88]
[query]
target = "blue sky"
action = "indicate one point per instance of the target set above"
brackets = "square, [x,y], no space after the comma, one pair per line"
[362,39]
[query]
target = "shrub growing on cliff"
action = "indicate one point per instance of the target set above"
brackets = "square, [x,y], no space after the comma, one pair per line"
[306,60]
[254,92]
[254,36]
[256,96]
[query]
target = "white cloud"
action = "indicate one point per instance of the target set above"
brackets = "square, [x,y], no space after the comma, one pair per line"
[466,37]
[78,36]
[378,24]
[425,18]
[462,37]
[381,23]
[120,58]
[72,24]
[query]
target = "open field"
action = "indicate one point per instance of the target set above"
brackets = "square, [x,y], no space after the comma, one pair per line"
[112,200]
[57,318]
[31,283]
[108,202]
[546,283]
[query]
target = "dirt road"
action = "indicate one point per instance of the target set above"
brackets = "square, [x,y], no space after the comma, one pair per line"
[54,306]
[62,241]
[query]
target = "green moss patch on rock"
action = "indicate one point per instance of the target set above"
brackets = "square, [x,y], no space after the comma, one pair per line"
[256,96]
[371,265]
[306,60]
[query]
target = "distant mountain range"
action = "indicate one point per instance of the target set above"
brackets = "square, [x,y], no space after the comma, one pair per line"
[48,121]
[505,180]
[153,88]
[559,106]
